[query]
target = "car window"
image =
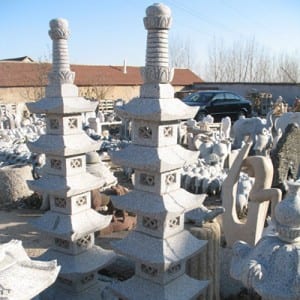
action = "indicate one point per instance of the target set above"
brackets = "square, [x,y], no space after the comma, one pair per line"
[231,97]
[199,97]
[218,98]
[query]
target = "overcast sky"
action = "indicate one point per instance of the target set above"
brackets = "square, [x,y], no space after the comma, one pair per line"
[106,32]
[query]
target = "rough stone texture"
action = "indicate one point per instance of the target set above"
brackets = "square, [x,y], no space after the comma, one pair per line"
[286,157]
[13,184]
[206,264]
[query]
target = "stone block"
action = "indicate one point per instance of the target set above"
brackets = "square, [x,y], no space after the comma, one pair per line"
[158,90]
[69,166]
[149,134]
[64,125]
[157,183]
[64,90]
[71,205]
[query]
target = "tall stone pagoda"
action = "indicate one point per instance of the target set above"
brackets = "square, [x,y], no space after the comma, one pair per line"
[71,222]
[159,245]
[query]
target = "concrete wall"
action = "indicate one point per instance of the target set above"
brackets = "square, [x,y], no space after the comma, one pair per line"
[20,94]
[27,94]
[286,90]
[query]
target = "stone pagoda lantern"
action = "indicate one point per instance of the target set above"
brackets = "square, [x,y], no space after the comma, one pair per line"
[272,267]
[71,222]
[159,245]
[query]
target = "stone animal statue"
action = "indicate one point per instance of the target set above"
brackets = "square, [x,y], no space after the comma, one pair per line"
[202,215]
[261,168]
[249,127]
[242,196]
[225,127]
[285,119]
[263,142]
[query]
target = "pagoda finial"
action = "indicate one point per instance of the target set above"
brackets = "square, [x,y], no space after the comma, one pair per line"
[157,21]
[59,33]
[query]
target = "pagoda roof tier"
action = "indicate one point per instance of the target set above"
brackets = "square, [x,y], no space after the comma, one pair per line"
[157,251]
[62,105]
[71,227]
[146,203]
[73,266]
[157,110]
[92,292]
[66,186]
[64,145]
[136,288]
[19,272]
[154,159]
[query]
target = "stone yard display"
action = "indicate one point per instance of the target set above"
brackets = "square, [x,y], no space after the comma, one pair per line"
[71,222]
[159,245]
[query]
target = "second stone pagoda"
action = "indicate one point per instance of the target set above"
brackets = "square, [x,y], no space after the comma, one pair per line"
[71,222]
[159,245]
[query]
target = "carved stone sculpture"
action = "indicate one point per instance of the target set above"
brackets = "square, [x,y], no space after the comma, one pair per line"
[271,268]
[261,169]
[244,127]
[70,222]
[156,244]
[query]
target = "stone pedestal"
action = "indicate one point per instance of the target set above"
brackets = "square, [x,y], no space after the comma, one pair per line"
[206,264]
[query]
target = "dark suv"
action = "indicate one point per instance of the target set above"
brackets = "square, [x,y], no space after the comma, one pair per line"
[219,104]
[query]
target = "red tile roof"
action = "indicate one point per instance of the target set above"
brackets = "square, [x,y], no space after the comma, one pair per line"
[19,74]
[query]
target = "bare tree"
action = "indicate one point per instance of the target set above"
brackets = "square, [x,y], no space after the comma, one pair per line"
[181,53]
[95,92]
[288,69]
[247,61]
